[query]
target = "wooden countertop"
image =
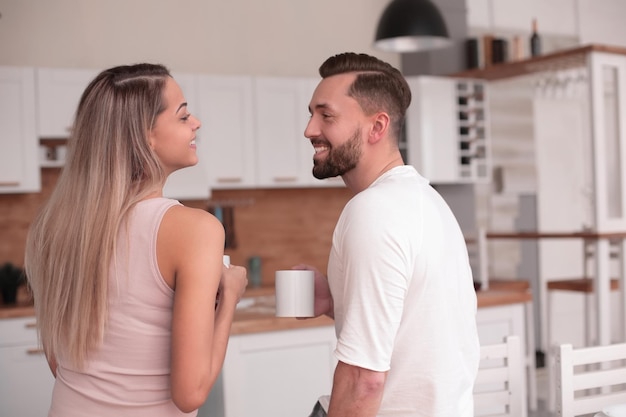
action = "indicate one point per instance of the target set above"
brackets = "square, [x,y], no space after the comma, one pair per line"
[585,234]
[16,311]
[493,298]
[259,317]
[253,319]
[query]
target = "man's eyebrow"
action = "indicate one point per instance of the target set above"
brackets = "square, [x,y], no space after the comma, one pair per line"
[320,106]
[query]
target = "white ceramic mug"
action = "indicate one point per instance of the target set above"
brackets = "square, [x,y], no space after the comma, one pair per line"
[295,293]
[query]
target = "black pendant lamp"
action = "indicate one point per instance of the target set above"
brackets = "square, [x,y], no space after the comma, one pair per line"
[411,26]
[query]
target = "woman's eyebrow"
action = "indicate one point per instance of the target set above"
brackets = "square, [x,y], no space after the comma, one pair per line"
[181,106]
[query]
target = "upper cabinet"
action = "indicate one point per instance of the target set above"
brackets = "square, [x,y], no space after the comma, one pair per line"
[227,134]
[58,93]
[447,135]
[284,155]
[279,106]
[251,135]
[224,143]
[19,168]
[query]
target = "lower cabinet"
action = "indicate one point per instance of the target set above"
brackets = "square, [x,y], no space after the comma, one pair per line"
[26,381]
[496,323]
[279,374]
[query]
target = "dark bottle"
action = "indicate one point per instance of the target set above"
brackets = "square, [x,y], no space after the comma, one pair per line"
[535,41]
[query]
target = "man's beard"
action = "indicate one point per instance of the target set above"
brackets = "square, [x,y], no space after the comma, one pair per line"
[340,159]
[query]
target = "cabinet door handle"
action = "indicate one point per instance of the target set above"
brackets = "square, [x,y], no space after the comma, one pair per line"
[31,325]
[285,179]
[229,180]
[34,351]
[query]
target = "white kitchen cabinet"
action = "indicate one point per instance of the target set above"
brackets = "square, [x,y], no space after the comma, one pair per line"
[227,141]
[26,382]
[284,155]
[279,106]
[19,152]
[447,131]
[58,93]
[495,323]
[280,373]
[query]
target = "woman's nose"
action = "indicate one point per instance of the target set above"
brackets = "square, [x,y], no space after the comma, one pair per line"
[198,123]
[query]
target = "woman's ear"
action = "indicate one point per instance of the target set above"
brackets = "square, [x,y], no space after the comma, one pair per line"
[380,126]
[150,139]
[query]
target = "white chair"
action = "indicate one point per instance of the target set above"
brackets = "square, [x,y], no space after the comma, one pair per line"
[500,387]
[589,379]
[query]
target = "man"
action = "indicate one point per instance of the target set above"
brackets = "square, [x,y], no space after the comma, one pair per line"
[399,282]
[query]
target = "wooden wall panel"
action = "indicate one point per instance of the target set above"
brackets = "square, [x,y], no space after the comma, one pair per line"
[16,214]
[282,226]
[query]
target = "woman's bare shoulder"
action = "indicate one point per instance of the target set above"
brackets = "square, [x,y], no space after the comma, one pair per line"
[187,221]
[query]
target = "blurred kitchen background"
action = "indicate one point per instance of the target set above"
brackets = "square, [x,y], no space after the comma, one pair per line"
[248,69]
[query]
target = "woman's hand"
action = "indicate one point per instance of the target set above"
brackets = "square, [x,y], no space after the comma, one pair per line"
[232,284]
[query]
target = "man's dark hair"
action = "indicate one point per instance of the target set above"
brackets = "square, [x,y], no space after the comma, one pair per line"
[377,87]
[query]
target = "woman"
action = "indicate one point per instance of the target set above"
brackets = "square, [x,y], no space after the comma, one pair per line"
[125,282]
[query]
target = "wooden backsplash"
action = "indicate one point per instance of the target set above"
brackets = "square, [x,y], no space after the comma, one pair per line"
[282,226]
[16,213]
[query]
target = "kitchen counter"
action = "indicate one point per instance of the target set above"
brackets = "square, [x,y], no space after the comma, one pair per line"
[259,317]
[16,310]
[492,298]
[256,313]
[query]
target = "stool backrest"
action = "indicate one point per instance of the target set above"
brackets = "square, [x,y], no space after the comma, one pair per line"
[590,378]
[499,389]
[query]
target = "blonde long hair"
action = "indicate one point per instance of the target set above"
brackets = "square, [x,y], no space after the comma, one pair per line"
[71,243]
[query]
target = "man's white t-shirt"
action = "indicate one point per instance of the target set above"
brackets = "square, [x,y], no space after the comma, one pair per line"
[404,297]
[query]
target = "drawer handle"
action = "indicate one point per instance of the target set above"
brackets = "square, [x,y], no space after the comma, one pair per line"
[285,179]
[228,180]
[9,184]
[31,325]
[35,351]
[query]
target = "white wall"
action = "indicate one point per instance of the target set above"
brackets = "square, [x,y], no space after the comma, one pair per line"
[602,21]
[589,21]
[259,37]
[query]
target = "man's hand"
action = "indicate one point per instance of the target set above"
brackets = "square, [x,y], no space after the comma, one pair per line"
[323,298]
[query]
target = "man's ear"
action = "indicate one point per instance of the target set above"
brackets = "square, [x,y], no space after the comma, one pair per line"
[380,126]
